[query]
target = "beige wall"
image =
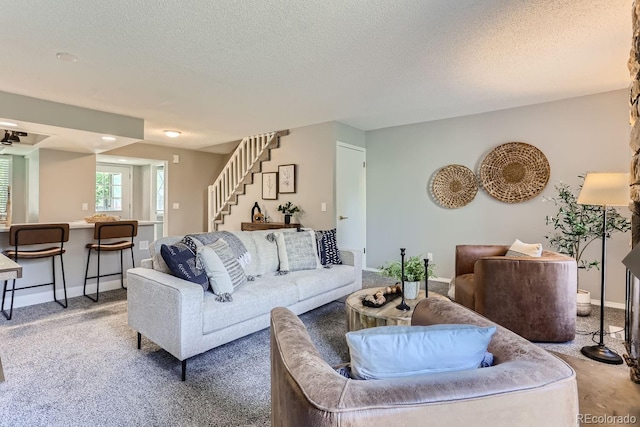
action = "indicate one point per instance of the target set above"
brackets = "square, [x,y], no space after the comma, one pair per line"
[19,189]
[187,182]
[66,181]
[589,133]
[313,150]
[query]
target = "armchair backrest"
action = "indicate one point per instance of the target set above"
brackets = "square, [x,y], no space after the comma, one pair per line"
[467,255]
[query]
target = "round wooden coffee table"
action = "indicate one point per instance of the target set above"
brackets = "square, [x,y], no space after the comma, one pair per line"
[361,317]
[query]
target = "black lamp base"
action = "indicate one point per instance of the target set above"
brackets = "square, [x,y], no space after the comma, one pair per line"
[602,354]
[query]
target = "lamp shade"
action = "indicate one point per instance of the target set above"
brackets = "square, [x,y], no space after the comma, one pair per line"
[605,189]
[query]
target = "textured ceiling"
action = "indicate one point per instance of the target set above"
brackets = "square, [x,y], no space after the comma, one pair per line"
[220,70]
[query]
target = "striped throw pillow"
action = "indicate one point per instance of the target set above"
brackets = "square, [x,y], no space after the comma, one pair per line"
[230,262]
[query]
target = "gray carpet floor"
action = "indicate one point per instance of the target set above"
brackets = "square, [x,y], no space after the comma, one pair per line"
[80,367]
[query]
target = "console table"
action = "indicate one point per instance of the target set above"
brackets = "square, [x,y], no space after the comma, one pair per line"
[253,226]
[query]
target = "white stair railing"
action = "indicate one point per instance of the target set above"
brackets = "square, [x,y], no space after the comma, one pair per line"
[236,173]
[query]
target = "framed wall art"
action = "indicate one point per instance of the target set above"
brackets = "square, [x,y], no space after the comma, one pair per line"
[287,179]
[269,185]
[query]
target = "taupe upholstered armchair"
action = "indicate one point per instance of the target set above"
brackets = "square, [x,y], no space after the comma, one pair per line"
[533,297]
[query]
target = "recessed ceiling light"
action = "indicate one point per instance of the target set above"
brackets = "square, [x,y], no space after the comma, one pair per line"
[66,57]
[108,138]
[8,124]
[123,160]
[172,133]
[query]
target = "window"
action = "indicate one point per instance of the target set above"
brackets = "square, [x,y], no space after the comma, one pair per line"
[5,182]
[108,191]
[160,190]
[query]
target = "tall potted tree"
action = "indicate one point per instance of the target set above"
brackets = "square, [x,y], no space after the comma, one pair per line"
[576,227]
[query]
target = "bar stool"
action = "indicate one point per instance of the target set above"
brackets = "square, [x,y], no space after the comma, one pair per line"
[110,230]
[36,234]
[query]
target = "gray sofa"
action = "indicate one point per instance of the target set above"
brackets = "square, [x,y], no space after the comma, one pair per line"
[526,386]
[176,314]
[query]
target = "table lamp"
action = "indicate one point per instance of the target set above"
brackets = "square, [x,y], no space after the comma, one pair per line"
[604,189]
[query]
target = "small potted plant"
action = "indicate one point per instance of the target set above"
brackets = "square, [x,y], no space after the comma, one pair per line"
[413,274]
[288,209]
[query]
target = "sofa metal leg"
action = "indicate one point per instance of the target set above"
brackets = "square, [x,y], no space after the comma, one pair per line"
[184,369]
[139,340]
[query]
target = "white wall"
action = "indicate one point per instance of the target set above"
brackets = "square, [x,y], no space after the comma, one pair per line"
[589,133]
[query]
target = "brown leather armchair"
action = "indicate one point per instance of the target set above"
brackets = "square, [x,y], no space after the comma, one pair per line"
[533,297]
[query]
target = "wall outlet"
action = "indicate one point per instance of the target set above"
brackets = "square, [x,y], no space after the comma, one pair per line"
[85,206]
[144,244]
[176,158]
[323,207]
[176,206]
[430,256]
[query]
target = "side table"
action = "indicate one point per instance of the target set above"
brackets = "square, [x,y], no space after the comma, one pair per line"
[360,316]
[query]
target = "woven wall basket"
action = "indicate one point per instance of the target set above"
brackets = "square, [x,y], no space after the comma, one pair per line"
[514,172]
[454,186]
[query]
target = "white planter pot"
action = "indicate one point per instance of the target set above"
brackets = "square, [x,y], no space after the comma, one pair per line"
[411,290]
[583,302]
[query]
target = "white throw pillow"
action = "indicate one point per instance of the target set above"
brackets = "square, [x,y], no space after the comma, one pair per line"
[404,351]
[520,249]
[297,251]
[219,278]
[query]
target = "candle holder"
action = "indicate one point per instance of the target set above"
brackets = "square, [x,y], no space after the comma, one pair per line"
[426,277]
[403,305]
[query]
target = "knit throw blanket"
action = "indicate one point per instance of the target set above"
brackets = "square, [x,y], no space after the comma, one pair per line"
[239,250]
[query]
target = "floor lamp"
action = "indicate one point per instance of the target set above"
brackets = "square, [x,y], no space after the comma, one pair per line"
[604,189]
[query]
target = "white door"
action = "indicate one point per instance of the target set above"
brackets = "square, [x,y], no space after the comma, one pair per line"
[113,190]
[351,210]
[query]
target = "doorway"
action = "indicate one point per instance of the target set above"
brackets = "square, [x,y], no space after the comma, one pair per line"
[351,202]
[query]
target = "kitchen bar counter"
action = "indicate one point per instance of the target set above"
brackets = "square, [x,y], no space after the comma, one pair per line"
[75,258]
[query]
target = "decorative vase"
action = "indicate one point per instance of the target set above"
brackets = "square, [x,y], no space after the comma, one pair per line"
[411,290]
[583,302]
[287,219]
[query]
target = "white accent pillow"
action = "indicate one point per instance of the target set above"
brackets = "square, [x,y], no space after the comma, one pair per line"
[403,351]
[219,278]
[297,251]
[520,249]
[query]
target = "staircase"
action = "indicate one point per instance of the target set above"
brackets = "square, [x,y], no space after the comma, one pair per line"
[238,172]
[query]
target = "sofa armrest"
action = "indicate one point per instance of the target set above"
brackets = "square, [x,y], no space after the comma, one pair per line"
[165,309]
[467,255]
[353,257]
[146,263]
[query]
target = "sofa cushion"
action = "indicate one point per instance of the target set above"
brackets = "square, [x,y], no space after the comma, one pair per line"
[297,251]
[157,262]
[328,247]
[403,351]
[520,249]
[315,282]
[248,302]
[182,262]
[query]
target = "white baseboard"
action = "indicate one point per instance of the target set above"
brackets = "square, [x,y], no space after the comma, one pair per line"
[609,304]
[46,295]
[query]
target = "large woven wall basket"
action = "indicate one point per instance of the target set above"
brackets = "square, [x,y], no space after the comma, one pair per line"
[514,172]
[454,186]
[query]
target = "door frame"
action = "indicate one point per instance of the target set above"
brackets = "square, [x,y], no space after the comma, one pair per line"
[340,144]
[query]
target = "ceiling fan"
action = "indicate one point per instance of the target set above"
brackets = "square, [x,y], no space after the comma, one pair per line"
[9,139]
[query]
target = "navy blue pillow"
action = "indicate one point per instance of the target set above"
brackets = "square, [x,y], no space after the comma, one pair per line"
[182,262]
[328,247]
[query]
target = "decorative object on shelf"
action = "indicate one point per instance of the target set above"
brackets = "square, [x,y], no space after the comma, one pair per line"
[454,186]
[514,172]
[269,185]
[287,179]
[576,226]
[414,273]
[604,189]
[288,209]
[256,213]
